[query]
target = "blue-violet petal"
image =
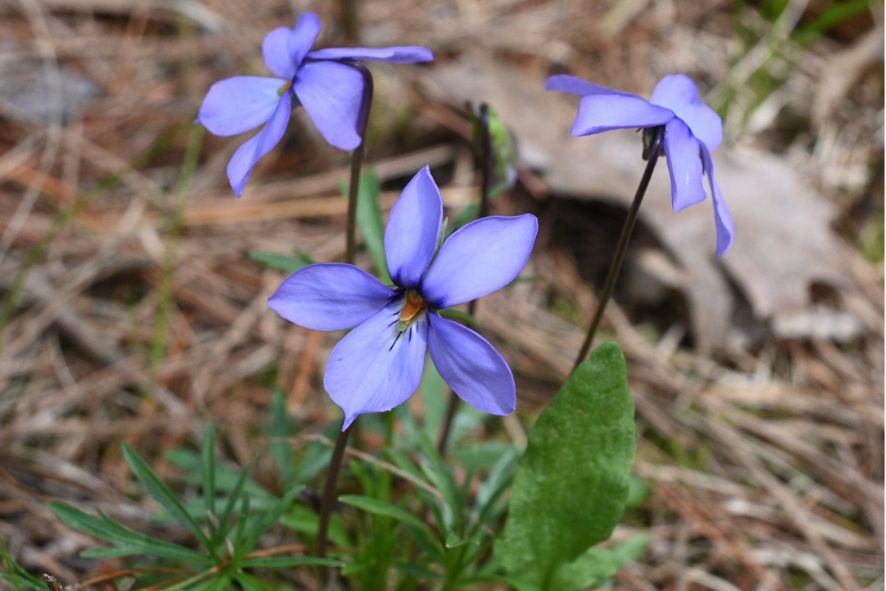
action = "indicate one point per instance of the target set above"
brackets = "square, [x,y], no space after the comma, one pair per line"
[471,366]
[236,105]
[375,368]
[412,230]
[332,93]
[330,296]
[479,258]
[247,155]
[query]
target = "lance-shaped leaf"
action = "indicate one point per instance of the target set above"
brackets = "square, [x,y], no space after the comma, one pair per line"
[572,482]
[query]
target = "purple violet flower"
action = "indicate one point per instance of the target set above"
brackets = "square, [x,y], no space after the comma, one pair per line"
[692,131]
[329,89]
[378,365]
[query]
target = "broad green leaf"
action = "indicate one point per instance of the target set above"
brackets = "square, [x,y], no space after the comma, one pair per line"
[288,263]
[163,495]
[596,565]
[571,484]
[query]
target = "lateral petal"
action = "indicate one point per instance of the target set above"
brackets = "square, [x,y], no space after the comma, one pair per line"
[413,228]
[332,94]
[303,36]
[375,368]
[247,155]
[722,217]
[683,153]
[235,105]
[275,50]
[471,366]
[479,258]
[407,54]
[330,296]
[678,93]
[604,112]
[577,86]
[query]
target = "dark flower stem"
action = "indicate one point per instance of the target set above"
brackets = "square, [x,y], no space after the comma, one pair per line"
[341,442]
[357,163]
[621,248]
[485,181]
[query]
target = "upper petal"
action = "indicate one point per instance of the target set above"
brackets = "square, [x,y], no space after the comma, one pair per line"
[247,155]
[603,112]
[684,163]
[302,37]
[330,296]
[375,368]
[238,104]
[678,93]
[573,85]
[408,54]
[481,257]
[471,366]
[332,94]
[413,228]
[722,217]
[275,50]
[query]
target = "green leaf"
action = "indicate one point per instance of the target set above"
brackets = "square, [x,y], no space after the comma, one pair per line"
[386,509]
[279,430]
[370,222]
[261,525]
[596,565]
[127,542]
[572,482]
[289,562]
[208,471]
[163,495]
[288,263]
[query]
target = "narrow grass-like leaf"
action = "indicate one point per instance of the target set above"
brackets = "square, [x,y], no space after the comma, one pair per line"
[279,430]
[209,469]
[370,221]
[265,522]
[386,509]
[289,562]
[288,263]
[163,495]
[126,541]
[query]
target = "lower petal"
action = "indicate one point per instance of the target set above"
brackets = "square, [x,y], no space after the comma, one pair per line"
[247,155]
[332,94]
[471,366]
[398,55]
[604,112]
[330,296]
[722,217]
[235,105]
[375,367]
[684,163]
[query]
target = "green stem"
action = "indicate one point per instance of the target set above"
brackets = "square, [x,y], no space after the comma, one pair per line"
[622,245]
[485,182]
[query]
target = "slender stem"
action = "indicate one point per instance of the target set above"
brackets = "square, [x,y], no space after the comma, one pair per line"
[485,182]
[357,162]
[329,488]
[341,442]
[622,245]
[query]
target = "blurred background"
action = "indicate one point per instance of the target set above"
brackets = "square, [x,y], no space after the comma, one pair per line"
[133,284]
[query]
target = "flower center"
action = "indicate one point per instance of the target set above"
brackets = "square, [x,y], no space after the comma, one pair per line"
[412,309]
[284,89]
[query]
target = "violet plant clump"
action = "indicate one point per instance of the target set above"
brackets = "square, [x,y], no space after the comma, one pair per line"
[324,81]
[692,130]
[379,364]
